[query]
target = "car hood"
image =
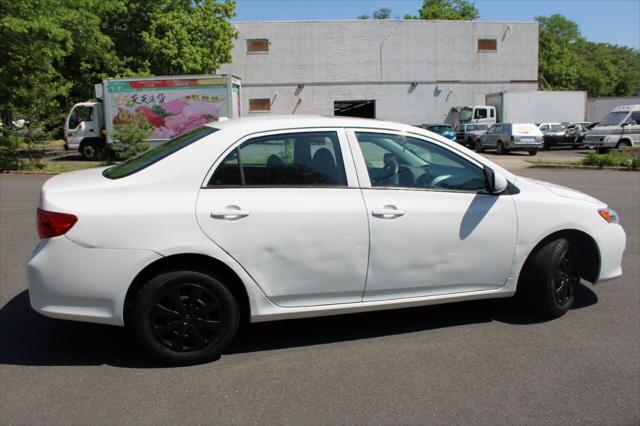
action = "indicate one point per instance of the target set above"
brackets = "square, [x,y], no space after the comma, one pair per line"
[563,191]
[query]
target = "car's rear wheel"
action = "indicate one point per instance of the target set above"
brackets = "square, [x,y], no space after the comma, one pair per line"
[185,317]
[533,151]
[549,279]
[623,144]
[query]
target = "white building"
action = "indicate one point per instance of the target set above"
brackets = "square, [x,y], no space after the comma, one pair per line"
[403,70]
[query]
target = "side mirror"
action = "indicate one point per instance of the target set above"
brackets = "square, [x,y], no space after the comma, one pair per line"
[495,183]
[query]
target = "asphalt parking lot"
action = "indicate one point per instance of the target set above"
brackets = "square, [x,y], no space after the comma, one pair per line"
[469,363]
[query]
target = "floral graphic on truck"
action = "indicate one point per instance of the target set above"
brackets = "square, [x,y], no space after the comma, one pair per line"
[177,116]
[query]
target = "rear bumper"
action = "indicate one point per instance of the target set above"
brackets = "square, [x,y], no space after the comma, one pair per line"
[515,146]
[611,241]
[68,281]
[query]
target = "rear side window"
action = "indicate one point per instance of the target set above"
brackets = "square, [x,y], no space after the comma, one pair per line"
[290,159]
[156,154]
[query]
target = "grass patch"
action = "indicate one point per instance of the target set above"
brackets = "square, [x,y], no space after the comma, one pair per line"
[554,163]
[625,158]
[61,167]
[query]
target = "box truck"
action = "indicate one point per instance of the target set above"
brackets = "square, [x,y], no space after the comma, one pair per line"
[525,107]
[172,105]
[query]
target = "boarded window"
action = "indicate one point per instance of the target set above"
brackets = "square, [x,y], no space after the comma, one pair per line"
[487,45]
[257,105]
[257,45]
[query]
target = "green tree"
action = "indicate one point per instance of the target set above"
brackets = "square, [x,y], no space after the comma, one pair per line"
[454,10]
[558,61]
[382,13]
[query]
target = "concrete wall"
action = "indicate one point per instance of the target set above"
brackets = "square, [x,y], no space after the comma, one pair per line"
[361,60]
[599,107]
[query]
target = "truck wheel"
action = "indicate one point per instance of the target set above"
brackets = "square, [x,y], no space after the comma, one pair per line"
[549,279]
[501,149]
[185,317]
[92,150]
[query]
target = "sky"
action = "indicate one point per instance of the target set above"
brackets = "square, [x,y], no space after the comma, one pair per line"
[609,21]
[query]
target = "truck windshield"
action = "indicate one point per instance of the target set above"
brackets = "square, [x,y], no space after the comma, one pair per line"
[156,154]
[466,114]
[613,118]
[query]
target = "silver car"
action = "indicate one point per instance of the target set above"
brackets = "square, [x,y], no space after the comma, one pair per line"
[505,137]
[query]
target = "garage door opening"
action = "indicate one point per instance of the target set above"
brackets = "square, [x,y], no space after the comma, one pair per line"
[362,109]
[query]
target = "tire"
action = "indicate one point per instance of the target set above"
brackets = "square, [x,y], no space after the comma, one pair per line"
[92,150]
[549,279]
[533,152]
[623,144]
[479,147]
[500,149]
[602,150]
[185,317]
[470,143]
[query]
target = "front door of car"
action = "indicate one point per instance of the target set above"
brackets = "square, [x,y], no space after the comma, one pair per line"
[286,206]
[434,230]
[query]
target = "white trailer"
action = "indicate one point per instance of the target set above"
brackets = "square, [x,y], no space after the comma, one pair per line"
[539,106]
[172,105]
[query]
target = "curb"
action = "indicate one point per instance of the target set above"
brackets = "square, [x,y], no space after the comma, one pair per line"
[27,172]
[580,167]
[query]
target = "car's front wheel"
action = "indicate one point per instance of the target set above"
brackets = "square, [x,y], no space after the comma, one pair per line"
[478,146]
[550,277]
[185,317]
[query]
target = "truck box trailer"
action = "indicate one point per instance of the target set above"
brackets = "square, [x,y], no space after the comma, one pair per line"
[172,105]
[539,106]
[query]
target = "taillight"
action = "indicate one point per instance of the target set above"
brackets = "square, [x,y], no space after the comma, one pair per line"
[53,224]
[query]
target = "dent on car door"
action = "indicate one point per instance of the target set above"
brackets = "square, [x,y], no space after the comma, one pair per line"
[433,229]
[281,205]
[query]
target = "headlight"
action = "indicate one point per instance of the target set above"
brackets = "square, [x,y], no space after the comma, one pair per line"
[609,215]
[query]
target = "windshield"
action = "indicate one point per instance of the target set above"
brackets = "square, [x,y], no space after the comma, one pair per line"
[474,127]
[556,127]
[156,154]
[466,114]
[613,118]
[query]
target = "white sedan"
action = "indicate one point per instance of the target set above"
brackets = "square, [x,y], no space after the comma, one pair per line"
[286,217]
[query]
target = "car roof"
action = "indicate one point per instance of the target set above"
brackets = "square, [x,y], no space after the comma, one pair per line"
[626,108]
[275,122]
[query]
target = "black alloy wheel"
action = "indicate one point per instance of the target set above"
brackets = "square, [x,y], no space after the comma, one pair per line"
[186,318]
[563,282]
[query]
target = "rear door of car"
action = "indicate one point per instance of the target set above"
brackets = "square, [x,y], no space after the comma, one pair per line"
[287,207]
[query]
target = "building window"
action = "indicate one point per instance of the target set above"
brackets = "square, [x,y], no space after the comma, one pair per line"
[260,105]
[487,45]
[257,45]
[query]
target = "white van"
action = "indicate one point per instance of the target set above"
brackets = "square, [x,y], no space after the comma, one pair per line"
[619,128]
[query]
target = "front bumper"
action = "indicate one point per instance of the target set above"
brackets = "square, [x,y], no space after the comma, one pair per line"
[611,241]
[69,281]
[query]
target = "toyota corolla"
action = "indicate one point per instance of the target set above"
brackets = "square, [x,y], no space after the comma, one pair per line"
[272,218]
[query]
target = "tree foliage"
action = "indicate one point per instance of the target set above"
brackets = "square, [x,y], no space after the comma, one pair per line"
[452,10]
[382,13]
[55,50]
[567,61]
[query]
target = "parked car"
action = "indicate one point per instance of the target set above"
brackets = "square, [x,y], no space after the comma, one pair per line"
[506,137]
[576,133]
[267,218]
[555,134]
[620,128]
[445,130]
[467,134]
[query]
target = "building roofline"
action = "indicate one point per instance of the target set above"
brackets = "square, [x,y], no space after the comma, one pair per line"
[307,21]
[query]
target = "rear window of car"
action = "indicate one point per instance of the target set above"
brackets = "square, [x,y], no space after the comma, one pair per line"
[147,158]
[525,128]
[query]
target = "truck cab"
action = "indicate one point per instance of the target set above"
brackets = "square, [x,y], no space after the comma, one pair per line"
[83,129]
[620,128]
[478,114]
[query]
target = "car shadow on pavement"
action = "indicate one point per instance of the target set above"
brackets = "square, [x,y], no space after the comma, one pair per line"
[27,338]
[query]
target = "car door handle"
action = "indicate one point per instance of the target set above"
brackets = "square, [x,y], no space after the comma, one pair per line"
[388,212]
[230,213]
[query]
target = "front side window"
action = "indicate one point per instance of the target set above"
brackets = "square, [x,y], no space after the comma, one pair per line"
[156,154]
[79,114]
[408,162]
[634,118]
[480,113]
[291,159]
